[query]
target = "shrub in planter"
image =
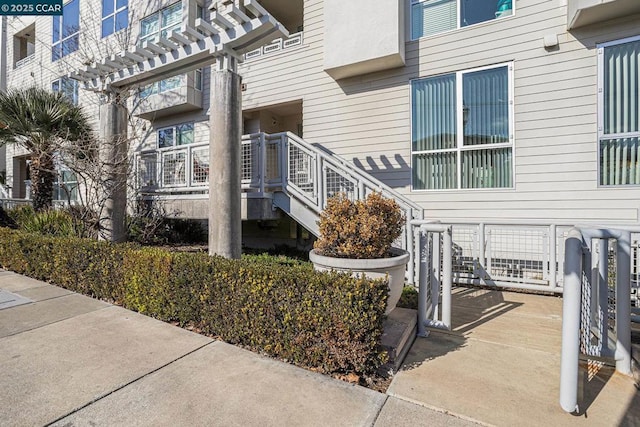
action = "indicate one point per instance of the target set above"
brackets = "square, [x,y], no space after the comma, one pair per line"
[357,236]
[362,229]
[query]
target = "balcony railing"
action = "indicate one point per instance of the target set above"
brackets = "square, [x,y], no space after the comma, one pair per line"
[183,169]
[278,45]
[24,61]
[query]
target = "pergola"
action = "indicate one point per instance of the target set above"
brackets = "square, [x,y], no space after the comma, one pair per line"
[234,29]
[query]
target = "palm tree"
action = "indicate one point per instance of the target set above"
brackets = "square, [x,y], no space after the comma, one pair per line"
[43,123]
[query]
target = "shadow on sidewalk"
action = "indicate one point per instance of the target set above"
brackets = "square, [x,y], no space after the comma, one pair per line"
[632,416]
[471,308]
[474,307]
[594,376]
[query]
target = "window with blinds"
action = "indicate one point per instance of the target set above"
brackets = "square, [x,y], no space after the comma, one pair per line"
[436,16]
[461,130]
[619,112]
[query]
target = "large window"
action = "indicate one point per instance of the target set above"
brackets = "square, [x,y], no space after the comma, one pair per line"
[161,23]
[66,30]
[66,186]
[154,26]
[68,87]
[436,16]
[619,112]
[462,130]
[115,16]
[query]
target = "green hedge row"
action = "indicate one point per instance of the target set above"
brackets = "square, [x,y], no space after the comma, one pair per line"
[327,321]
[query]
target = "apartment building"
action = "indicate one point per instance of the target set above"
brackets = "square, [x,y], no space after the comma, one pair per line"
[519,110]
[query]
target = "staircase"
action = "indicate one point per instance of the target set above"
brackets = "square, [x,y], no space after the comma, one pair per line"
[302,177]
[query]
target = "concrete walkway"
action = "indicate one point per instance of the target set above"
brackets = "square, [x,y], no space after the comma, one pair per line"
[501,365]
[69,360]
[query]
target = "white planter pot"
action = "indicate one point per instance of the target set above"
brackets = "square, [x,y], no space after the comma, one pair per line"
[373,268]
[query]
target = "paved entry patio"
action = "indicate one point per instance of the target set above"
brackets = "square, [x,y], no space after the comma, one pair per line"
[501,365]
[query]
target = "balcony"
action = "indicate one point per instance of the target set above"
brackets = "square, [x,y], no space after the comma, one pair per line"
[586,12]
[24,61]
[178,94]
[24,44]
[278,45]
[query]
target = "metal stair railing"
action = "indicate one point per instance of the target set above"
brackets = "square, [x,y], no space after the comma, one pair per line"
[310,175]
[314,175]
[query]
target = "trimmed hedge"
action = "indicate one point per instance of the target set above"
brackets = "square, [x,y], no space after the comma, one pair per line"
[330,322]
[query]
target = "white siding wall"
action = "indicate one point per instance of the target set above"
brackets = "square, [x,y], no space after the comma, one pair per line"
[367,118]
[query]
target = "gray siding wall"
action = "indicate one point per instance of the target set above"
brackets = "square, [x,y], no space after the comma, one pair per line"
[367,118]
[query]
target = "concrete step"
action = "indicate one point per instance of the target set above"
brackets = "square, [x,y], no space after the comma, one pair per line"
[398,336]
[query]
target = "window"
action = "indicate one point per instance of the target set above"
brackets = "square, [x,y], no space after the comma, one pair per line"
[619,112]
[198,79]
[115,16]
[462,129]
[171,83]
[175,135]
[161,86]
[66,186]
[161,23]
[436,16]
[68,87]
[66,30]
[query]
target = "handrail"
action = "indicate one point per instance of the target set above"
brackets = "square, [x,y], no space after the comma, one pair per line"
[361,182]
[24,61]
[372,182]
[577,312]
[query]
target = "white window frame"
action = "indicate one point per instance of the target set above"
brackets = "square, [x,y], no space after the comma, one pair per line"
[458,26]
[460,147]
[175,133]
[175,149]
[61,40]
[601,135]
[158,15]
[76,90]
[65,187]
[113,15]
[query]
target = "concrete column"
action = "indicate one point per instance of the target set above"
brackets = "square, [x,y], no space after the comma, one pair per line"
[225,138]
[112,206]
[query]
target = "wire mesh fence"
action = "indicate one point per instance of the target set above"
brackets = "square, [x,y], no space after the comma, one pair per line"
[174,168]
[200,166]
[336,183]
[248,161]
[302,167]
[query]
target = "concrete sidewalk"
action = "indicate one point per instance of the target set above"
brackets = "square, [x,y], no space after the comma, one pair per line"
[501,365]
[69,360]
